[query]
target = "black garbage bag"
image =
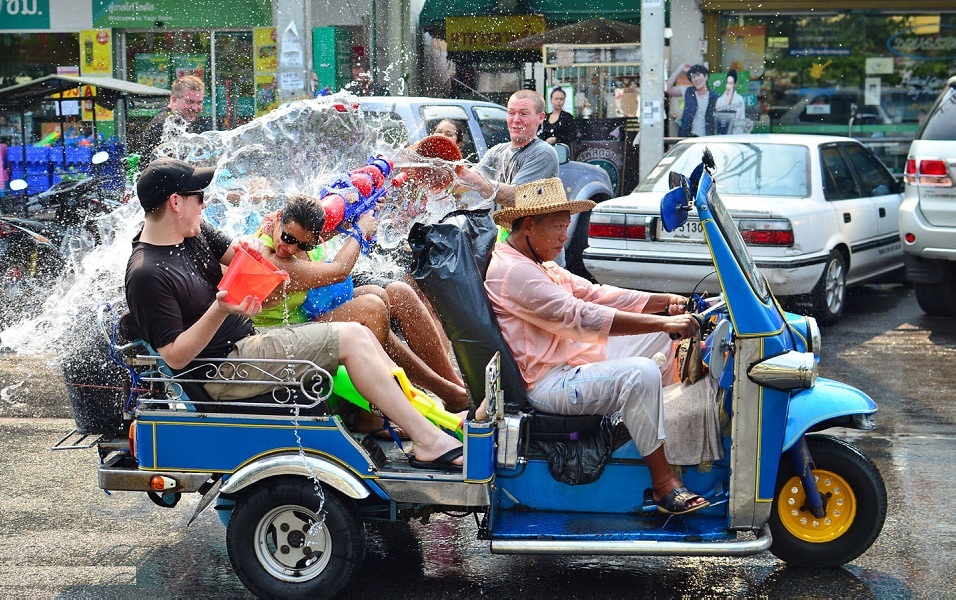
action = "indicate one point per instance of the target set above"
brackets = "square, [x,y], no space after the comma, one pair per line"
[94,383]
[450,260]
[582,461]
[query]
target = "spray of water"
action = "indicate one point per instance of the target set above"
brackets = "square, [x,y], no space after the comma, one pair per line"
[297,148]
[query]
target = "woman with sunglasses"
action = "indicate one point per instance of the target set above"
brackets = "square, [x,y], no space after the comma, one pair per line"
[292,237]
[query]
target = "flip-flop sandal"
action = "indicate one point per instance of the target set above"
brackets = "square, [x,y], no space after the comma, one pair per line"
[445,462]
[676,502]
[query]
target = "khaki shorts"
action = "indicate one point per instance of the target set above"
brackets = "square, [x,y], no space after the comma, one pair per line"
[317,342]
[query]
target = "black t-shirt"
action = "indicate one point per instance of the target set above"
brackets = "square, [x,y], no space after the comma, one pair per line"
[168,288]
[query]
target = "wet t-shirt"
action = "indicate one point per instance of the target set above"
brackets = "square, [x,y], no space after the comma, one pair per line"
[168,288]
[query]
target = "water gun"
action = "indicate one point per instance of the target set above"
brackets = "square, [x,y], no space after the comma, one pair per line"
[350,196]
[431,410]
[48,140]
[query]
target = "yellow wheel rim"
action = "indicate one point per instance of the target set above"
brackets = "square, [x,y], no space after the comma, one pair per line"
[800,522]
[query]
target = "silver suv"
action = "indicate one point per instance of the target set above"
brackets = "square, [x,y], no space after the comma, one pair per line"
[928,211]
[486,126]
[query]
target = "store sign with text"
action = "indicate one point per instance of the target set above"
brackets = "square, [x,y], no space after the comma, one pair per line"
[466,34]
[24,14]
[202,14]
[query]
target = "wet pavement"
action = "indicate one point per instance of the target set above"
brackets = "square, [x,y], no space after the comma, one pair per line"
[60,536]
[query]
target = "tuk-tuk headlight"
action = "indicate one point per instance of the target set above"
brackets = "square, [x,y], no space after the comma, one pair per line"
[788,371]
[813,337]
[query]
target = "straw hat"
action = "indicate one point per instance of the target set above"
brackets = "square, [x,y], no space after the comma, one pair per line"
[538,198]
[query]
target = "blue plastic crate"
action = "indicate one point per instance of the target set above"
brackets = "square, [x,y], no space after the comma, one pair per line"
[38,155]
[38,183]
[15,156]
[16,171]
[80,155]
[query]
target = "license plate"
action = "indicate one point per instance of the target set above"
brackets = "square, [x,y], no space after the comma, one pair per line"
[691,231]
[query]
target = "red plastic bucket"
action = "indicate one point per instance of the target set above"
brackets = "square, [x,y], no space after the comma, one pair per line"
[248,276]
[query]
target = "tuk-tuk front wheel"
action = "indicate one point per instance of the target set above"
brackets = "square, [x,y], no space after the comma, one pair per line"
[285,541]
[855,500]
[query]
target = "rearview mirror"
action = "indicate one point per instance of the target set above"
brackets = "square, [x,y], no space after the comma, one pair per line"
[564,153]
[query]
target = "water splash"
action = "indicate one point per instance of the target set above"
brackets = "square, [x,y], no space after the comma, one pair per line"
[297,148]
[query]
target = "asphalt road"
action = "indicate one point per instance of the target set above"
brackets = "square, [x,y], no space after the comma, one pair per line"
[60,536]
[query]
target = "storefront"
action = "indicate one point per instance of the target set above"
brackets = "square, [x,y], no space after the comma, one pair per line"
[230,44]
[841,70]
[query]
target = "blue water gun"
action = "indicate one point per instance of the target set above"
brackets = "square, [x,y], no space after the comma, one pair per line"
[350,196]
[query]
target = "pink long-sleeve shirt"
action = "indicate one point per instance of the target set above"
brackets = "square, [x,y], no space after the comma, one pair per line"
[549,316]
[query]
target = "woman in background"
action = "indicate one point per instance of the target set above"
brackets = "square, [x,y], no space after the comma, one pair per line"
[732,103]
[558,127]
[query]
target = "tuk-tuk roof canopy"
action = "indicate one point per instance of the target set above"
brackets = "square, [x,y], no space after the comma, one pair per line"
[108,90]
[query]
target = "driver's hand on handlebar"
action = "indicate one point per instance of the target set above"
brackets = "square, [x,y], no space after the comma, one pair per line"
[682,326]
[676,305]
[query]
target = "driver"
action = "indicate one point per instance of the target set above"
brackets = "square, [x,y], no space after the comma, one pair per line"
[557,326]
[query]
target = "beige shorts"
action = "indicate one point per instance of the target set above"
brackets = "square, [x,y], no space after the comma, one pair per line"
[317,342]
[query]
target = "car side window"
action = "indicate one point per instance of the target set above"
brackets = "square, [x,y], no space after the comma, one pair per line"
[874,177]
[838,180]
[493,123]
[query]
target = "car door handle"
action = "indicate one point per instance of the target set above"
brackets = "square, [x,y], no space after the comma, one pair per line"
[882,212]
[847,218]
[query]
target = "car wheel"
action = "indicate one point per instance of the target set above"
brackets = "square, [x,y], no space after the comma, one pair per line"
[855,500]
[829,296]
[938,299]
[286,541]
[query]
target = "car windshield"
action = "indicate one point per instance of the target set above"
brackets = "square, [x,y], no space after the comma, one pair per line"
[736,244]
[743,169]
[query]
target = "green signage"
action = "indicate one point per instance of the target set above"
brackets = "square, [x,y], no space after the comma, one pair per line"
[176,14]
[25,14]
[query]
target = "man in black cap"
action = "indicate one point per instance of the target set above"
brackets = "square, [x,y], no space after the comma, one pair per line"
[171,289]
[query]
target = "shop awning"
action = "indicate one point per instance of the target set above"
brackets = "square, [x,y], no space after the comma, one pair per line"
[556,12]
[559,12]
[108,90]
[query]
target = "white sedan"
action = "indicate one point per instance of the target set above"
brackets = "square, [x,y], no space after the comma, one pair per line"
[818,213]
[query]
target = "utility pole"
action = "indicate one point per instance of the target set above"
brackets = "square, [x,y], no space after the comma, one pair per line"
[653,77]
[295,48]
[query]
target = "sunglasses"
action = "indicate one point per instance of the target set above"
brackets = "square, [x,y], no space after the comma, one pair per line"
[199,194]
[288,239]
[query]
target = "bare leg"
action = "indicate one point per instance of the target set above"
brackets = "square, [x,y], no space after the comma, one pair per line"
[431,311]
[358,353]
[423,336]
[663,478]
[454,395]
[370,310]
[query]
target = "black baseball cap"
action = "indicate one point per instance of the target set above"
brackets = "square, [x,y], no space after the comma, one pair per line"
[167,176]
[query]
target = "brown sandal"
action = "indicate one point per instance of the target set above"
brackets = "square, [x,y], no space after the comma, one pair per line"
[676,502]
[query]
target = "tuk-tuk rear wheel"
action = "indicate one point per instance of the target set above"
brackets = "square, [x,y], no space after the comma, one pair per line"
[855,507]
[286,541]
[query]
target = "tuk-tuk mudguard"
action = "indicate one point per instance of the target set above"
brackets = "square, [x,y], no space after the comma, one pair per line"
[827,399]
[293,464]
[229,444]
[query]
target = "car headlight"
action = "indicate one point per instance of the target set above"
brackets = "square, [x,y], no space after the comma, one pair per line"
[791,370]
